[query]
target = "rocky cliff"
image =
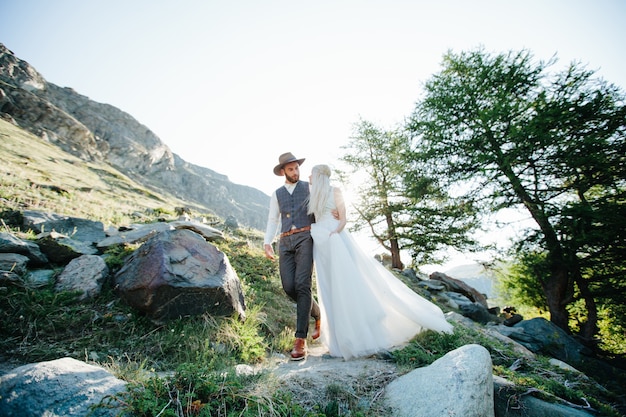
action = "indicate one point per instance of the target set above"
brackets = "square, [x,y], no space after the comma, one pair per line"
[96,131]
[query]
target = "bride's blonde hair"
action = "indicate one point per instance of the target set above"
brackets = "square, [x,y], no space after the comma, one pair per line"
[320,189]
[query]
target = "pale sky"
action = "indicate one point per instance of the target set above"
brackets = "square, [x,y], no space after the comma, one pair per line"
[230,85]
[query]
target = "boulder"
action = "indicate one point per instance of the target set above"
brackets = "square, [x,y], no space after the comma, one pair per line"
[61,249]
[133,235]
[80,229]
[178,273]
[477,312]
[207,232]
[432,285]
[37,278]
[13,262]
[12,244]
[86,274]
[62,387]
[509,402]
[542,336]
[459,286]
[10,278]
[458,384]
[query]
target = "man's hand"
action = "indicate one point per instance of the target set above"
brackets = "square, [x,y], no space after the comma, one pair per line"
[335,214]
[269,251]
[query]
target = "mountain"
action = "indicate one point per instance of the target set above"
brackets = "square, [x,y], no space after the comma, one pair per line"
[97,132]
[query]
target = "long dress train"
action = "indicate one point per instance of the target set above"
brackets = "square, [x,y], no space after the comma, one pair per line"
[365,308]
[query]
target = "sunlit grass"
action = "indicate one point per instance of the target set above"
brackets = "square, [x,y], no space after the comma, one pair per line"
[185,367]
[37,175]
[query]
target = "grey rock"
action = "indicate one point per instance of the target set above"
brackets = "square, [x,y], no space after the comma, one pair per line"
[13,262]
[62,387]
[509,403]
[207,232]
[12,244]
[39,277]
[458,384]
[61,249]
[86,273]
[542,336]
[178,273]
[461,287]
[499,332]
[477,312]
[433,285]
[455,300]
[76,228]
[10,278]
[137,235]
[410,273]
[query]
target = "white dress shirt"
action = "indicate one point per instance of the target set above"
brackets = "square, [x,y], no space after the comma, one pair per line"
[273,219]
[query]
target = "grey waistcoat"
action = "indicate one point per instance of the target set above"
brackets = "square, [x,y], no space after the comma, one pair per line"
[293,207]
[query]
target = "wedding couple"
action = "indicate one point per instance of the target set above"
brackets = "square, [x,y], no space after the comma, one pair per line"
[363,308]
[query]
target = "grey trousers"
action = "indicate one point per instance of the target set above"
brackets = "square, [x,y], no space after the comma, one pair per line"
[296,270]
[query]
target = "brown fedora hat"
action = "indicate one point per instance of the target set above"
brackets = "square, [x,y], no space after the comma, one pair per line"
[284,159]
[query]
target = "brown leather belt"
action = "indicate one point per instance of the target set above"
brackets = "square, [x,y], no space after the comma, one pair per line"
[293,231]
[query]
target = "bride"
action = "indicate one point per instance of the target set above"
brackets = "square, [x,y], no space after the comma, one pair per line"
[365,308]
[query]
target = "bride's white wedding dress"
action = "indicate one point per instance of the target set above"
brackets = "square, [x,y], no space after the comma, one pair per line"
[365,308]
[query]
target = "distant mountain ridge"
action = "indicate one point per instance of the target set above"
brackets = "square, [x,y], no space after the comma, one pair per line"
[95,131]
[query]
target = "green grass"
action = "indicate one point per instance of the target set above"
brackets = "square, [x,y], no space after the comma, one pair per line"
[185,367]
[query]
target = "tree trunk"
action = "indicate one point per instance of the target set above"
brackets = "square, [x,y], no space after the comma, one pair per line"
[556,287]
[396,261]
[394,246]
[556,290]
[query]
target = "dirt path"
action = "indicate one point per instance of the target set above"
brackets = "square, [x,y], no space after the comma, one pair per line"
[319,377]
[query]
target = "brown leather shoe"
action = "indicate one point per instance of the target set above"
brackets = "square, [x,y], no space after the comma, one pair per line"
[317,331]
[299,349]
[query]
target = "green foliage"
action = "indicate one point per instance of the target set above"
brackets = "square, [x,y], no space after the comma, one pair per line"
[340,401]
[428,346]
[246,344]
[519,281]
[205,391]
[191,391]
[160,211]
[262,287]
[553,384]
[596,238]
[115,256]
[33,321]
[402,206]
[612,329]
[374,155]
[501,131]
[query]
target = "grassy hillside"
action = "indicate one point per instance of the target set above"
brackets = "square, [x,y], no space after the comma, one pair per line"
[37,175]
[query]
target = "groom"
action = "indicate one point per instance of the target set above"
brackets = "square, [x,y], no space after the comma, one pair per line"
[288,207]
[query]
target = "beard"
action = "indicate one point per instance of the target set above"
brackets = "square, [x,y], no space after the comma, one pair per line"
[292,179]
